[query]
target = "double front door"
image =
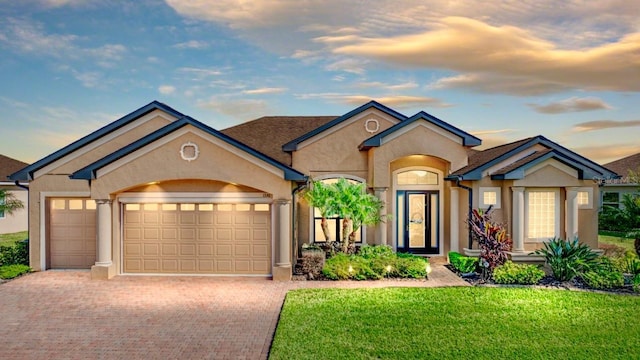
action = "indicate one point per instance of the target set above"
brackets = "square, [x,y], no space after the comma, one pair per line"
[417,221]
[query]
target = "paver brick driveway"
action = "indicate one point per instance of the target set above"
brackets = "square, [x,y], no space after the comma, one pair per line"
[65,315]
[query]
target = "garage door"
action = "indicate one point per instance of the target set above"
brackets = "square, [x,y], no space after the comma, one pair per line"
[197,238]
[72,233]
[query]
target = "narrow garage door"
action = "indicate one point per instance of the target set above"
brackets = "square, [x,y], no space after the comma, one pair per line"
[197,238]
[72,233]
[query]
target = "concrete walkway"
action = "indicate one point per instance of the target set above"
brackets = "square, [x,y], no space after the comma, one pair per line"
[65,315]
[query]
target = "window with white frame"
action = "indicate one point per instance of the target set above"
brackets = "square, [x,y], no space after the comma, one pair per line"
[543,215]
[334,224]
[489,196]
[611,199]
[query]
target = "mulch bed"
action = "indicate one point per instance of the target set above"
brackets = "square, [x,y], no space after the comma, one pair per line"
[548,281]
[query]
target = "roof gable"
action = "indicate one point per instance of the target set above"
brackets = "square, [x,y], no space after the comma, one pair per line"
[267,134]
[481,161]
[90,172]
[27,172]
[293,144]
[378,139]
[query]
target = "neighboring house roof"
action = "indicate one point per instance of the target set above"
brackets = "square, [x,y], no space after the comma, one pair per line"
[293,144]
[8,166]
[376,140]
[622,166]
[27,172]
[89,172]
[269,133]
[483,160]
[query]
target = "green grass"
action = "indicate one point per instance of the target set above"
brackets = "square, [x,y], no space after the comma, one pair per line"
[10,239]
[456,323]
[616,239]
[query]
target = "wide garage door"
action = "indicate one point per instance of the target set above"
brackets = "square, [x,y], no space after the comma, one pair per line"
[72,233]
[197,238]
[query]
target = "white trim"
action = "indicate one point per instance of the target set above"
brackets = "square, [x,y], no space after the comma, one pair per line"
[103,140]
[197,132]
[345,123]
[43,220]
[483,190]
[196,197]
[527,191]
[441,201]
[437,129]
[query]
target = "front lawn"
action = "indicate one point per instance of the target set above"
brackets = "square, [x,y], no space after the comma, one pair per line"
[615,239]
[456,323]
[10,239]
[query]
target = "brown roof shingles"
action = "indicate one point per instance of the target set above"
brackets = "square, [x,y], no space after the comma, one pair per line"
[9,166]
[268,133]
[622,166]
[479,158]
[525,160]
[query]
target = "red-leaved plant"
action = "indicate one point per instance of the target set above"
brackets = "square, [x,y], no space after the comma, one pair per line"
[492,238]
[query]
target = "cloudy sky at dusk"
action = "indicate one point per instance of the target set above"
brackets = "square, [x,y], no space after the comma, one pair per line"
[502,70]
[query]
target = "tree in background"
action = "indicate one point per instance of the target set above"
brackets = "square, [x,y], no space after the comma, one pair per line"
[9,203]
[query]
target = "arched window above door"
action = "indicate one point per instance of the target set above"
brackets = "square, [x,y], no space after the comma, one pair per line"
[417,177]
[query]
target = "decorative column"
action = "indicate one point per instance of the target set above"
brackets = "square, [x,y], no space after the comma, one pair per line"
[381,229]
[104,267]
[572,213]
[282,270]
[518,219]
[454,219]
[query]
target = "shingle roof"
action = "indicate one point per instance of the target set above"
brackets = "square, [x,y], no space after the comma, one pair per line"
[8,166]
[269,133]
[479,158]
[525,160]
[90,171]
[622,166]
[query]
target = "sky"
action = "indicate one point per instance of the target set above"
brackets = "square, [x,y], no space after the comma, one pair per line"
[501,70]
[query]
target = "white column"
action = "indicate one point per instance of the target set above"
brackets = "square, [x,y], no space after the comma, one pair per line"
[104,232]
[518,219]
[454,220]
[381,229]
[284,230]
[572,213]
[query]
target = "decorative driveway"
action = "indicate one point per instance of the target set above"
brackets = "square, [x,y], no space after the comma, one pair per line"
[65,315]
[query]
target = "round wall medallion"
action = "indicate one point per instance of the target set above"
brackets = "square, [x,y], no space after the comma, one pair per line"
[189,151]
[372,125]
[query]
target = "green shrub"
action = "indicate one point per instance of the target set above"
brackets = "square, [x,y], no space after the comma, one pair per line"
[629,263]
[357,267]
[15,254]
[410,266]
[636,283]
[567,258]
[12,271]
[603,274]
[376,251]
[511,273]
[464,264]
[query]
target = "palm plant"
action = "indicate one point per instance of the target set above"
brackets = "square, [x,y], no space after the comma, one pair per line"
[567,258]
[322,197]
[356,207]
[9,203]
[628,218]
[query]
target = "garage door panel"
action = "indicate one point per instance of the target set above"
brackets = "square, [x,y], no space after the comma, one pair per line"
[207,238]
[71,238]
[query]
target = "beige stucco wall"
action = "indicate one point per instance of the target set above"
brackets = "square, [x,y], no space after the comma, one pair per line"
[338,152]
[412,143]
[18,220]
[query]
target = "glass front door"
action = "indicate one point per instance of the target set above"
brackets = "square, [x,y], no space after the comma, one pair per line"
[417,225]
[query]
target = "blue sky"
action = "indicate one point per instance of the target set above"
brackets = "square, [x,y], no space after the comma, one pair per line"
[502,70]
